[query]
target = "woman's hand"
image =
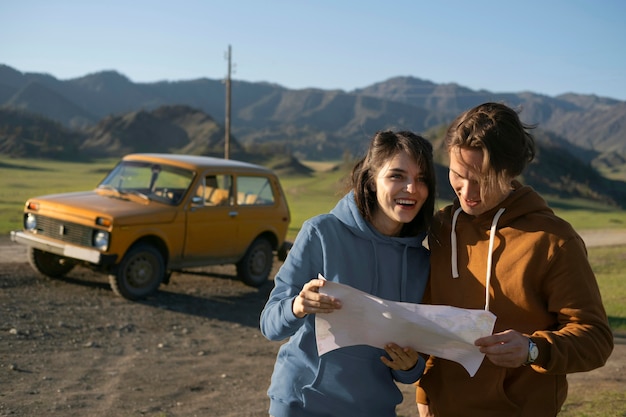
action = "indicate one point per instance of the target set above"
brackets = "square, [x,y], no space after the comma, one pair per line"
[310,301]
[400,359]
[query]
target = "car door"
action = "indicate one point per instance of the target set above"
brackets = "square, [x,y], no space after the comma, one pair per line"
[212,225]
[257,207]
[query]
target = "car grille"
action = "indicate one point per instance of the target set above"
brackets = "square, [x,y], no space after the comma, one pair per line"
[67,232]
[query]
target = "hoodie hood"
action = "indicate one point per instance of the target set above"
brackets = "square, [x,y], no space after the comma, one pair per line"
[347,212]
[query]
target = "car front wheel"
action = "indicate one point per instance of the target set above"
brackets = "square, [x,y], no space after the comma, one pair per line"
[256,265]
[139,274]
[49,264]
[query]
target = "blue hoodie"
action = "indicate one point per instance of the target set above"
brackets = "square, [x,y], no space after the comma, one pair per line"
[350,381]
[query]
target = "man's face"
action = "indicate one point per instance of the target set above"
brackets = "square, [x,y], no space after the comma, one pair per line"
[465,179]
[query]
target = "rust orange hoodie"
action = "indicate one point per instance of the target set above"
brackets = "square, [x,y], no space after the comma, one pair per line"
[540,284]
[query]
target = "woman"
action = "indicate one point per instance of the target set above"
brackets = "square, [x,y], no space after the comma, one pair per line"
[372,241]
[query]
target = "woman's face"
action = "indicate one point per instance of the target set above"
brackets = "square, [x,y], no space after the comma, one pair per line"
[401,191]
[465,165]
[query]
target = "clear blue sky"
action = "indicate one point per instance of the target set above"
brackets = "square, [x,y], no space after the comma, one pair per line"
[544,46]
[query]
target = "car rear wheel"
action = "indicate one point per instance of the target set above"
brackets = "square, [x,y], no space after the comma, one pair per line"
[139,274]
[254,268]
[49,264]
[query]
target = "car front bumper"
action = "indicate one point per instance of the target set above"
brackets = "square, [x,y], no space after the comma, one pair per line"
[62,249]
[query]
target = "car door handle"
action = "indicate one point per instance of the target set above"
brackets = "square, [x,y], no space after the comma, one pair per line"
[233,213]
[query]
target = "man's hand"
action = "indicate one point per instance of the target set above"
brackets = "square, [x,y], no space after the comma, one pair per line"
[424,410]
[508,349]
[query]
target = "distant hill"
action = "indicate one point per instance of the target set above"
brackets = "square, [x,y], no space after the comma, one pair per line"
[182,129]
[587,121]
[316,124]
[39,99]
[26,135]
[106,114]
[173,129]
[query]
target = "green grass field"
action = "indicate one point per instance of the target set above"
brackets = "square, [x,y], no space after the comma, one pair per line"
[21,179]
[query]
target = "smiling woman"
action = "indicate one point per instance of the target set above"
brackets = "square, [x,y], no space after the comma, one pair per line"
[371,240]
[401,191]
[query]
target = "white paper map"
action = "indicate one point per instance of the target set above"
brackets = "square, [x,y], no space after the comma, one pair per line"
[444,331]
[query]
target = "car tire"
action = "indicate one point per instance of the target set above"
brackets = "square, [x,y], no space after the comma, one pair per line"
[49,264]
[255,266]
[284,251]
[139,274]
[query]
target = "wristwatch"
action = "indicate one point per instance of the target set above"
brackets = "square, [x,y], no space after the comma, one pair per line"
[533,352]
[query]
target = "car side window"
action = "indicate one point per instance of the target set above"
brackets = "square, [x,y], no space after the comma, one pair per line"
[216,190]
[254,191]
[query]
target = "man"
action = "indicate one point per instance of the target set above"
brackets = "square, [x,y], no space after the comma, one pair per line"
[500,247]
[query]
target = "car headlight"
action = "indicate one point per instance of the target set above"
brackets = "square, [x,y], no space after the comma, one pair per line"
[30,221]
[101,240]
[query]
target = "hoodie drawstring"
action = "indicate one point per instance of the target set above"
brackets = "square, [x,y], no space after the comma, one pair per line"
[455,266]
[454,255]
[492,237]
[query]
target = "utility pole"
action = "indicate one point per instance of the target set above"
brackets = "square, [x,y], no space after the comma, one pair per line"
[227,121]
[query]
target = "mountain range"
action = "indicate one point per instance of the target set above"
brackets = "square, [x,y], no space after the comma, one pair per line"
[106,114]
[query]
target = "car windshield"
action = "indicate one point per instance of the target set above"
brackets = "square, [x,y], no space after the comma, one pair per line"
[149,181]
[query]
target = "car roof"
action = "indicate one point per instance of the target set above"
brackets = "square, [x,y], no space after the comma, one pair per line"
[195,161]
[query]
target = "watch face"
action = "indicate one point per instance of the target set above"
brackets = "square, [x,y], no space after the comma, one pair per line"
[533,352]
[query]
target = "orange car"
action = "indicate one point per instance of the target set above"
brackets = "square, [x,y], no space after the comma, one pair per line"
[158,213]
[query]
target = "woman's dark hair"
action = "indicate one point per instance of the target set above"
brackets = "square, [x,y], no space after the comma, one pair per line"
[498,131]
[383,147]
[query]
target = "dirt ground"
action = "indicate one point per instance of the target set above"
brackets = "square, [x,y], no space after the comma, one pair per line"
[70,347]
